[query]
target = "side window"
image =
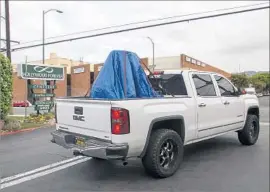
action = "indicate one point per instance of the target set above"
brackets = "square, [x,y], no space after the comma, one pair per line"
[225,87]
[204,85]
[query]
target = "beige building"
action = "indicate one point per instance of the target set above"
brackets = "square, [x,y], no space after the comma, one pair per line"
[55,60]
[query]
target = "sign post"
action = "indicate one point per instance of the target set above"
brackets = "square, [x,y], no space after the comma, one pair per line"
[41,72]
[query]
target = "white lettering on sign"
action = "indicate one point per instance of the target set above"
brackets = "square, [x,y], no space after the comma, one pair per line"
[78,70]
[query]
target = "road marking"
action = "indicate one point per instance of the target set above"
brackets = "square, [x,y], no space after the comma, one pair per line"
[43,173]
[265,123]
[40,169]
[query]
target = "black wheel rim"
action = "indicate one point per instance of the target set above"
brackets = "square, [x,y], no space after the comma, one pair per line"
[253,131]
[168,154]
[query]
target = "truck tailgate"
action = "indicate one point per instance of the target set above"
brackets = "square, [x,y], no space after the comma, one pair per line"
[86,117]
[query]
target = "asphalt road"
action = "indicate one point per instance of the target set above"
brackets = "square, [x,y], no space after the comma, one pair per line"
[217,165]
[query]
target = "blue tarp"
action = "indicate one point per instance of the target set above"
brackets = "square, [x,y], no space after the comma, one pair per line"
[111,84]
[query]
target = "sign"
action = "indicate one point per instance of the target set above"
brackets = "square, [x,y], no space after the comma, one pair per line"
[33,86]
[42,72]
[78,70]
[44,103]
[42,107]
[43,95]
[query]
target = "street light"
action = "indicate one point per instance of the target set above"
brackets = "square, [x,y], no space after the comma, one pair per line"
[153,48]
[43,37]
[43,31]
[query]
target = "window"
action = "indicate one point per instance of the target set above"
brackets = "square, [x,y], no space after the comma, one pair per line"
[225,87]
[204,85]
[167,84]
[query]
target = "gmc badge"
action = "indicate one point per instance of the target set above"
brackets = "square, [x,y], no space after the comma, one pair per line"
[78,118]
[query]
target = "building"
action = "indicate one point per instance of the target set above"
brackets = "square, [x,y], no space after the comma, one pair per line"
[186,62]
[21,89]
[55,60]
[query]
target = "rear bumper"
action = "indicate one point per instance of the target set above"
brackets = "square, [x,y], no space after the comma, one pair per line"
[93,147]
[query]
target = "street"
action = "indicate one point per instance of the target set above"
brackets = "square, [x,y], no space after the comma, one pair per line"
[221,164]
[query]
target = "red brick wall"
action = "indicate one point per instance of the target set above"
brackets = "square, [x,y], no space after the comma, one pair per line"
[80,82]
[186,64]
[61,86]
[19,88]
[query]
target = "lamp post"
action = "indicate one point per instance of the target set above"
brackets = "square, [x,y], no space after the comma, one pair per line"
[43,31]
[43,40]
[153,49]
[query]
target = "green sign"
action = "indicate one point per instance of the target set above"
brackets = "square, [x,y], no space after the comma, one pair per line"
[43,95]
[42,72]
[42,107]
[44,103]
[33,86]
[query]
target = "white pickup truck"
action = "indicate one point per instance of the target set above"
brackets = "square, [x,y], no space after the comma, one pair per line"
[196,106]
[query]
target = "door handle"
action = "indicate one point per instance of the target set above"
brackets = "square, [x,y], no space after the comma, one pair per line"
[226,103]
[202,105]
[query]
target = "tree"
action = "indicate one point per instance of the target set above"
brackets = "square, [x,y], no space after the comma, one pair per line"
[261,82]
[240,80]
[5,86]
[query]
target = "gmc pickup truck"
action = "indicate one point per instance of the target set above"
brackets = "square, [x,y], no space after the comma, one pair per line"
[195,106]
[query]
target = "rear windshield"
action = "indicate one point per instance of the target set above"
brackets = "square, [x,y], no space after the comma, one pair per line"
[167,84]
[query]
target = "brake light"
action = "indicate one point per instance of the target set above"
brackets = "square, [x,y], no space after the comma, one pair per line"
[120,121]
[55,113]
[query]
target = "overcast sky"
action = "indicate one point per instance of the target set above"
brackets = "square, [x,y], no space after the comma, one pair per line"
[225,42]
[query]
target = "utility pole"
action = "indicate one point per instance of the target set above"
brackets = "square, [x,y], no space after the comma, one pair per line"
[7,29]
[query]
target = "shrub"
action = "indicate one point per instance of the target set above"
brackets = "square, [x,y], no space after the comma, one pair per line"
[5,86]
[12,125]
[41,118]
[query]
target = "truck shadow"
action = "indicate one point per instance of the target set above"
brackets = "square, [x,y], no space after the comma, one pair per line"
[195,154]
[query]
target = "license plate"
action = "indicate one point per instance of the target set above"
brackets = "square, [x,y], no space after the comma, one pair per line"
[80,142]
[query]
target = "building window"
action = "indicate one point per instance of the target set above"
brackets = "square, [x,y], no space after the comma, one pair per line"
[193,61]
[188,59]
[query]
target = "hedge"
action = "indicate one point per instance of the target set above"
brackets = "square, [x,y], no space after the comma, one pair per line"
[5,86]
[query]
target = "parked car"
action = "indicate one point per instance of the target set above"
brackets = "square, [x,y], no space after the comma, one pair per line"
[196,106]
[21,103]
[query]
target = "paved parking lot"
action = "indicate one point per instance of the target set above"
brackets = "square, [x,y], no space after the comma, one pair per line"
[217,165]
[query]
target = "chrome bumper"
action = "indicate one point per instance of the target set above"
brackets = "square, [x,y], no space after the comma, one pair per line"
[93,147]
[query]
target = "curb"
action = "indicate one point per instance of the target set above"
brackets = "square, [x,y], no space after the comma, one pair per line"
[24,130]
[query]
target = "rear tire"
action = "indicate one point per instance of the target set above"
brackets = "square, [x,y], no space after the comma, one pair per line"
[250,133]
[164,153]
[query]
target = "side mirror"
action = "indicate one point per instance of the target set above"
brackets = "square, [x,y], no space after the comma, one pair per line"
[240,91]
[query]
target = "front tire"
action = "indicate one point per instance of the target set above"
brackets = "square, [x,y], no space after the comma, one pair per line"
[164,153]
[250,133]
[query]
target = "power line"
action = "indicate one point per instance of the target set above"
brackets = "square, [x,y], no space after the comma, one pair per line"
[143,27]
[145,21]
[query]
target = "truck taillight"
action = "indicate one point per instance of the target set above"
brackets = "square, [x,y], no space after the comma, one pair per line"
[55,113]
[120,121]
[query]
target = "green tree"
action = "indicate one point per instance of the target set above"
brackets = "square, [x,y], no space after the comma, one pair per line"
[240,80]
[261,81]
[5,86]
